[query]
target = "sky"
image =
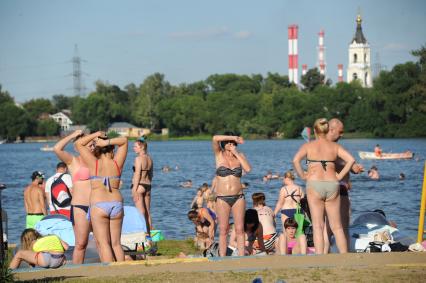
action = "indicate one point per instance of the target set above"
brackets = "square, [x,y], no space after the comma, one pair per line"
[123,42]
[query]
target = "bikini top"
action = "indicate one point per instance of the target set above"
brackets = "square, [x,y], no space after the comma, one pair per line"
[106,180]
[50,243]
[323,162]
[292,195]
[82,174]
[223,171]
[142,170]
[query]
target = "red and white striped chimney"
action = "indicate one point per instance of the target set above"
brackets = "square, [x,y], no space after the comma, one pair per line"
[304,69]
[321,53]
[293,64]
[340,73]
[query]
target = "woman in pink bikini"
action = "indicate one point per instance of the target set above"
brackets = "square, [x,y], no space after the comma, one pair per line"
[106,203]
[81,193]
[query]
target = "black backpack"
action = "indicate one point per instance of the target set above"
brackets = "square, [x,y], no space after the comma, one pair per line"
[60,193]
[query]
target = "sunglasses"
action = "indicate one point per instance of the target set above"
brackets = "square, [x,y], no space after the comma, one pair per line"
[233,142]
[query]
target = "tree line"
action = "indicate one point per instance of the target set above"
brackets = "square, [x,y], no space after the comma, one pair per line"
[252,105]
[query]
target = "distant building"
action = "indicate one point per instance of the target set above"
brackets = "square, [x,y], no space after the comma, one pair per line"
[125,129]
[359,67]
[63,120]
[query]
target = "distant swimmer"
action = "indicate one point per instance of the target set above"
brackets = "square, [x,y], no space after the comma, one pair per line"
[34,200]
[373,173]
[401,176]
[166,169]
[377,150]
[186,184]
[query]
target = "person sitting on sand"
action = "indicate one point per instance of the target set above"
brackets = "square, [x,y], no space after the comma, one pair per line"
[288,243]
[373,173]
[377,150]
[205,226]
[47,251]
[253,233]
[267,219]
[198,200]
[186,184]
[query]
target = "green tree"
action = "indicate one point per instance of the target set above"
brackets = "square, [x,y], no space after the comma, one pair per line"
[47,127]
[312,79]
[38,106]
[14,122]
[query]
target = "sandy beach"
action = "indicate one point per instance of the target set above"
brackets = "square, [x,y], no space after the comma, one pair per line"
[380,267]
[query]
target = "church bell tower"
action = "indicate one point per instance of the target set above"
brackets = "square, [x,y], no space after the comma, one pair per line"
[359,67]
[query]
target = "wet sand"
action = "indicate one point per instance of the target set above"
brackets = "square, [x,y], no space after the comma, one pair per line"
[389,267]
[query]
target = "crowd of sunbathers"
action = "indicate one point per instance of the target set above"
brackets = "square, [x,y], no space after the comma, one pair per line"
[327,204]
[97,204]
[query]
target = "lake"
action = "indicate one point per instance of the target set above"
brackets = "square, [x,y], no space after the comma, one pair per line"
[170,203]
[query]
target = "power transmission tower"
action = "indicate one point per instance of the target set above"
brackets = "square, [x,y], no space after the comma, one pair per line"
[377,66]
[77,73]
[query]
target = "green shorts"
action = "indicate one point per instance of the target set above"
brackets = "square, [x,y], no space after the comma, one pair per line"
[33,218]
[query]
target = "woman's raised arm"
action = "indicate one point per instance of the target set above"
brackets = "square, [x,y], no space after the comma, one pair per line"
[60,146]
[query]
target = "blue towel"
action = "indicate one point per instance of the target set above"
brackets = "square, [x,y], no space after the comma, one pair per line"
[133,221]
[59,227]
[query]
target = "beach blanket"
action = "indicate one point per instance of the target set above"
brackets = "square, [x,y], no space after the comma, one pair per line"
[60,227]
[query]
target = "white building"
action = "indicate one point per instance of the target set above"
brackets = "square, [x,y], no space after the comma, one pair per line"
[63,120]
[359,67]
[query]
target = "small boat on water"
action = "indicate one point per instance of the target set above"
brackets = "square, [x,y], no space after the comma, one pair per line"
[2,141]
[46,148]
[372,155]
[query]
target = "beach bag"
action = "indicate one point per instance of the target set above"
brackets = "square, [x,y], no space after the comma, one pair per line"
[213,251]
[302,221]
[60,193]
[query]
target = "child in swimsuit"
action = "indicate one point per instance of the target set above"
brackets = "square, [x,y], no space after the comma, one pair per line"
[47,251]
[288,243]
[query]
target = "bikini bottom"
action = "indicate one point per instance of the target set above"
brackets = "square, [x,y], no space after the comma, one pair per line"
[231,200]
[85,208]
[326,189]
[111,208]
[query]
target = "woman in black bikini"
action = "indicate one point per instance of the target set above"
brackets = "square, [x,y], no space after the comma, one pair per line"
[141,183]
[290,196]
[229,168]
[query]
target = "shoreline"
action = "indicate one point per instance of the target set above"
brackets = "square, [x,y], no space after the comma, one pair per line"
[205,138]
[378,267]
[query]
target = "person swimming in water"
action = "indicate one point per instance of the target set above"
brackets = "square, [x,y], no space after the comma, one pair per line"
[230,165]
[322,183]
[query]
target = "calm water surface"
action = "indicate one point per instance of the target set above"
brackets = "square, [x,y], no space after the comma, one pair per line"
[399,199]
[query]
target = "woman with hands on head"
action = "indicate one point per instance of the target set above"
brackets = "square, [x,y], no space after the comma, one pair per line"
[230,164]
[322,183]
[106,203]
[81,192]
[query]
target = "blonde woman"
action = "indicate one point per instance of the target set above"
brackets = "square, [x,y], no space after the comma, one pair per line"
[322,183]
[290,196]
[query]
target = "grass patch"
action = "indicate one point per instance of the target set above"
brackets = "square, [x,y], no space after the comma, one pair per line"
[171,248]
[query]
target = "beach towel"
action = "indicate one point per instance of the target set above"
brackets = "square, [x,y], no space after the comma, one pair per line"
[57,225]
